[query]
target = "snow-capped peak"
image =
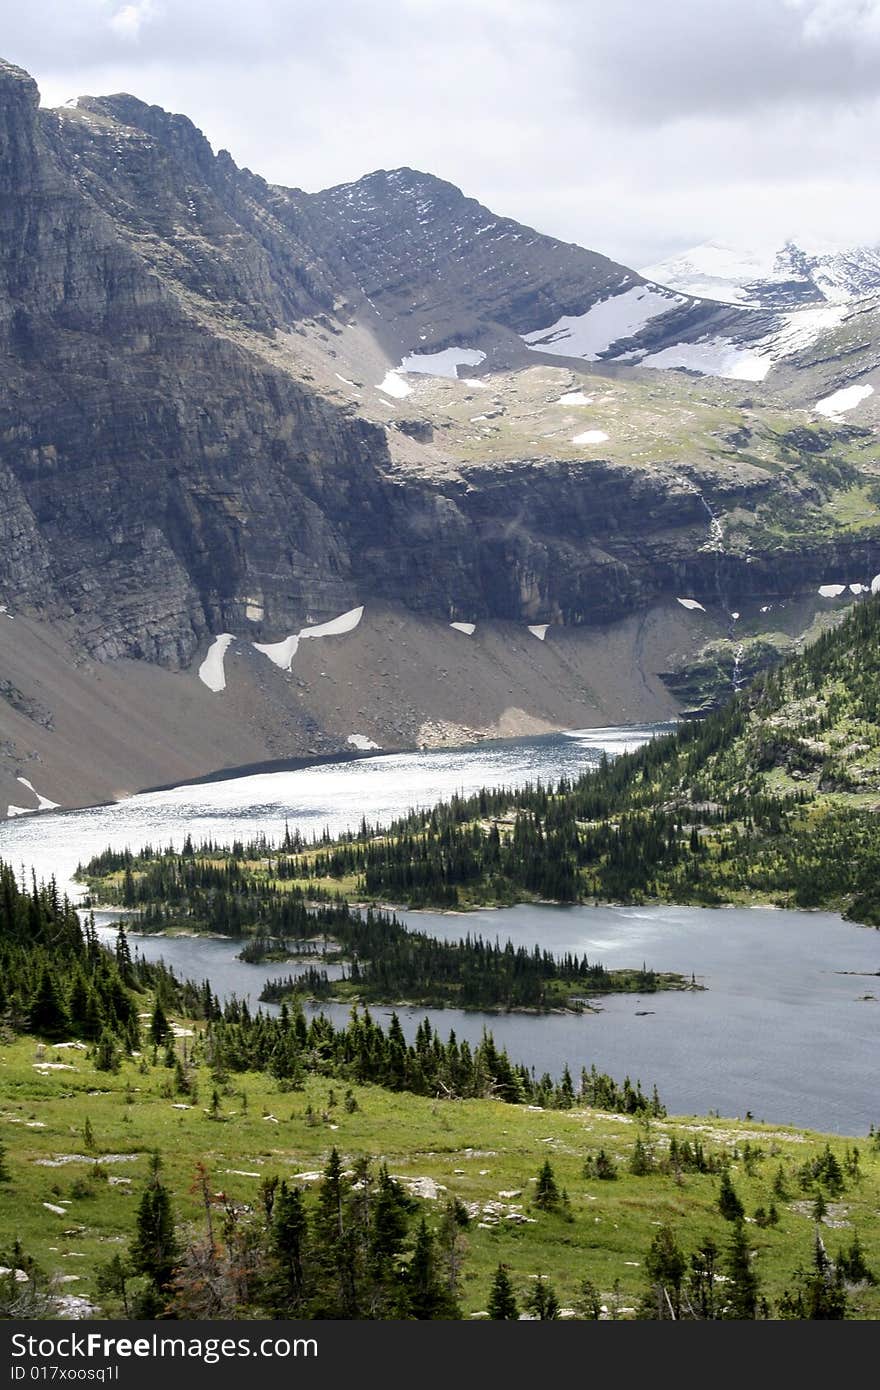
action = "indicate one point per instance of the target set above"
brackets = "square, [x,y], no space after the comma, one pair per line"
[789,276]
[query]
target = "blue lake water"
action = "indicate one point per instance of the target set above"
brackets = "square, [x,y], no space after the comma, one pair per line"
[779,1032]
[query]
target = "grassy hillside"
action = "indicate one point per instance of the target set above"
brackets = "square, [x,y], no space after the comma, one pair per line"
[79,1141]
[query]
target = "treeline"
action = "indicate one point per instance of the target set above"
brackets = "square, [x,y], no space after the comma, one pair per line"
[59,982]
[288,1046]
[387,962]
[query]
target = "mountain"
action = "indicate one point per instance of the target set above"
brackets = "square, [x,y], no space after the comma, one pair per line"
[785,277]
[771,800]
[237,417]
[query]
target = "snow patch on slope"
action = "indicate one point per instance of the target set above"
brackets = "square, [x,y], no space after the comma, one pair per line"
[281,653]
[590,437]
[445,363]
[394,385]
[212,671]
[712,357]
[43,802]
[833,406]
[723,357]
[336,627]
[467,628]
[590,335]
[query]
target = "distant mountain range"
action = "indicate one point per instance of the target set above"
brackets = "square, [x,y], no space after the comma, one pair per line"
[785,277]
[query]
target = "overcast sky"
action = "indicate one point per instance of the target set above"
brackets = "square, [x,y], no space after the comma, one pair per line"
[636,127]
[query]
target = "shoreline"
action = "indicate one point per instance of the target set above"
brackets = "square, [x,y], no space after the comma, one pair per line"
[301,762]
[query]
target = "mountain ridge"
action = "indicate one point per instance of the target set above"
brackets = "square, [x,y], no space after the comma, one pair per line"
[782,277]
[230,408]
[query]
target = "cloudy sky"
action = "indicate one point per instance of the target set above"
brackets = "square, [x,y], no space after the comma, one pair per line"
[632,126]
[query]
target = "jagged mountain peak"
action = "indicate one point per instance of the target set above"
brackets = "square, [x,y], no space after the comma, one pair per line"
[14,81]
[798,273]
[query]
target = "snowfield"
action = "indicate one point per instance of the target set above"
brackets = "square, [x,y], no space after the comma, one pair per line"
[748,362]
[805,269]
[725,273]
[610,321]
[336,627]
[713,357]
[281,654]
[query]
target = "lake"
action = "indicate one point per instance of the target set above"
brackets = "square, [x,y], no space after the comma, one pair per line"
[779,1032]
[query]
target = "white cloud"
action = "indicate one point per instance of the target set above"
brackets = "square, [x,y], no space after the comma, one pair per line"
[634,128]
[128,21]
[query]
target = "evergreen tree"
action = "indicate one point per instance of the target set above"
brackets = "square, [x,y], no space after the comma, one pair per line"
[123,953]
[48,1015]
[819,1293]
[546,1191]
[153,1250]
[502,1303]
[742,1289]
[588,1303]
[852,1264]
[159,1026]
[729,1204]
[107,1052]
[390,1219]
[112,1278]
[541,1301]
[641,1162]
[335,1251]
[425,1296]
[665,1266]
[702,1279]
[289,1241]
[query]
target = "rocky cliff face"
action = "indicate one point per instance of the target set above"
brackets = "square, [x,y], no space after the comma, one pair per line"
[193,443]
